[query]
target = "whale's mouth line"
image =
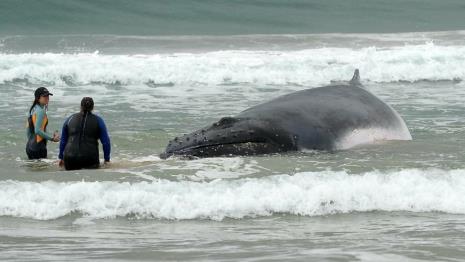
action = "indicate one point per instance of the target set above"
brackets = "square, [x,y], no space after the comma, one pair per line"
[227,144]
[205,148]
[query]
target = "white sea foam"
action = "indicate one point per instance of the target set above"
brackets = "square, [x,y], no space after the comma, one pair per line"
[311,66]
[213,168]
[307,193]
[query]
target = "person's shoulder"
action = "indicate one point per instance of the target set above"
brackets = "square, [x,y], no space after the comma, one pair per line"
[99,118]
[69,118]
[72,116]
[37,109]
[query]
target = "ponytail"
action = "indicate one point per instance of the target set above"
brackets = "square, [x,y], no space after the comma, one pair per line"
[33,105]
[87,105]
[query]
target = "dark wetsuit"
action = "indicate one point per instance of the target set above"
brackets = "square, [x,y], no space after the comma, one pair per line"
[37,136]
[79,141]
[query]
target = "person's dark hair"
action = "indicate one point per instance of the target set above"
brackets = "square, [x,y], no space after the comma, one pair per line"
[41,91]
[36,101]
[87,104]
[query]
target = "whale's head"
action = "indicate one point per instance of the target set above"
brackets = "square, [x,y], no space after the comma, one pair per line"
[232,136]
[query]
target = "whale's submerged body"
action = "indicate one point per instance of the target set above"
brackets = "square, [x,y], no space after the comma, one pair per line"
[324,118]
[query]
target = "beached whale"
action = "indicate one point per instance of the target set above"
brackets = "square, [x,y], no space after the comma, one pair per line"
[328,118]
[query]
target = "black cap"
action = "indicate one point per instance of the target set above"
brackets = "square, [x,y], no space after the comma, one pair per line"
[42,91]
[87,104]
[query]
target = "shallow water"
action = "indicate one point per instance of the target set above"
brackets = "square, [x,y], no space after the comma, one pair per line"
[381,236]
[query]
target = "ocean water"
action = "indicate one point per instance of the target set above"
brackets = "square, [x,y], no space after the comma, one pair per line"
[158,69]
[225,17]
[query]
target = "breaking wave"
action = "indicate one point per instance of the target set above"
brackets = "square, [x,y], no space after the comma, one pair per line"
[306,194]
[305,67]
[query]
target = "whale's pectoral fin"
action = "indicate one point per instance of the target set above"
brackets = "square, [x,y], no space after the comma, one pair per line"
[356,78]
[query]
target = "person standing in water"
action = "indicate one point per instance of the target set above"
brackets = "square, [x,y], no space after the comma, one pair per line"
[79,139]
[37,122]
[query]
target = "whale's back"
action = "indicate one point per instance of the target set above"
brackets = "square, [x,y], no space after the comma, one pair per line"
[332,117]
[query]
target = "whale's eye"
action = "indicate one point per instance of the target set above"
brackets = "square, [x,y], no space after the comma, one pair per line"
[226,121]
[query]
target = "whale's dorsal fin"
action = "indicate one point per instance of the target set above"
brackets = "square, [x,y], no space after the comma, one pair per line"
[356,78]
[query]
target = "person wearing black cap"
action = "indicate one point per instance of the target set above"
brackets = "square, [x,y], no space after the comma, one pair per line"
[79,139]
[37,122]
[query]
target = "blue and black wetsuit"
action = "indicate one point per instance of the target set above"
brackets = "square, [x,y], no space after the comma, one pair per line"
[79,141]
[37,136]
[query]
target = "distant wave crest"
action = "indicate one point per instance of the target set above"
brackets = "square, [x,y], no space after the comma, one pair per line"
[312,66]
